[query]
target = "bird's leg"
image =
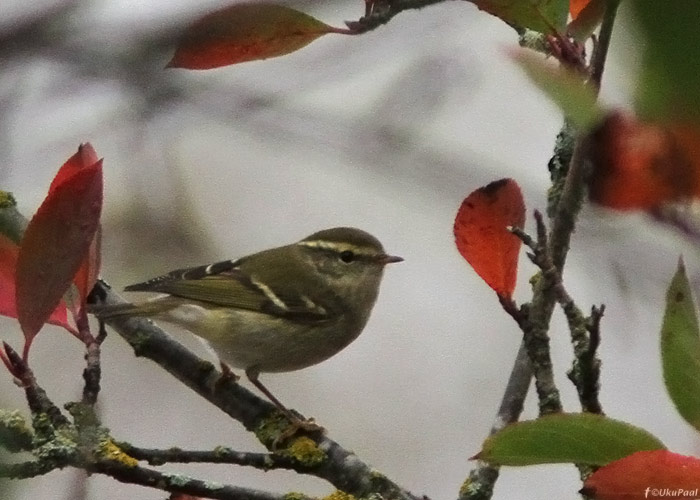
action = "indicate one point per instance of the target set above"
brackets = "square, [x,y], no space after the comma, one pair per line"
[307,425]
[227,374]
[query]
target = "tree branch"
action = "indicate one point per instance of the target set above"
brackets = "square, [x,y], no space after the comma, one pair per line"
[176,483]
[585,332]
[340,467]
[481,480]
[564,202]
[37,399]
[381,12]
[219,455]
[314,454]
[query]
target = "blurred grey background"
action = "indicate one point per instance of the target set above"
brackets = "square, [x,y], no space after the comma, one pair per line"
[388,131]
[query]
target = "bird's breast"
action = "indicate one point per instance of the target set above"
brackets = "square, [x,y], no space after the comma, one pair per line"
[246,339]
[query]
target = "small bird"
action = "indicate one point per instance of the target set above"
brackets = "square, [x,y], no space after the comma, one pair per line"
[278,310]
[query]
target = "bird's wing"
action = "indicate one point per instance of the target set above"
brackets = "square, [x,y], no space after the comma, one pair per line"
[225,284]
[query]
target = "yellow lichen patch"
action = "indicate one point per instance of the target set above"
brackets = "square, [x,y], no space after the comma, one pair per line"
[293,495]
[305,451]
[109,450]
[475,489]
[15,434]
[7,200]
[271,428]
[339,495]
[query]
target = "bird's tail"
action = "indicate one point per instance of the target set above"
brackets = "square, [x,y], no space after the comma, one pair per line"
[147,308]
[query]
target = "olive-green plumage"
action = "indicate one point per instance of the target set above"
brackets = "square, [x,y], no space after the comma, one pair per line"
[278,310]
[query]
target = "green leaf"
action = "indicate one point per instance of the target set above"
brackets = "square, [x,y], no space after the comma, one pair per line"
[680,348]
[545,16]
[669,86]
[576,98]
[581,438]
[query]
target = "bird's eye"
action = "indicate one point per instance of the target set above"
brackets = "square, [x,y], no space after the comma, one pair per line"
[347,256]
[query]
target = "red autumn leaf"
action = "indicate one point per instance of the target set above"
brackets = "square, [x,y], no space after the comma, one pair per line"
[586,16]
[482,236]
[643,165]
[89,270]
[9,251]
[85,157]
[87,274]
[576,6]
[246,32]
[646,475]
[55,245]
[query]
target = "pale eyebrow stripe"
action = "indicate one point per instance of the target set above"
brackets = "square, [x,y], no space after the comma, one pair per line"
[337,247]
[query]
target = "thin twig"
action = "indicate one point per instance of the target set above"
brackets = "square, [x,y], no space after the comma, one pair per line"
[600,53]
[563,224]
[479,485]
[510,307]
[569,205]
[380,16]
[177,483]
[25,470]
[585,371]
[220,455]
[566,168]
[92,372]
[37,399]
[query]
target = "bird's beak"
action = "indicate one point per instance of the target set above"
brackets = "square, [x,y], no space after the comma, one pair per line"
[390,259]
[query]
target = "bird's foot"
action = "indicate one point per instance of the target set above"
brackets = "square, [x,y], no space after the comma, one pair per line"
[227,376]
[296,424]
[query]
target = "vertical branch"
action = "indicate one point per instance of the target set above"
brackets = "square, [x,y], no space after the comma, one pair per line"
[564,219]
[563,224]
[37,399]
[600,54]
[565,200]
[93,371]
[585,371]
[481,480]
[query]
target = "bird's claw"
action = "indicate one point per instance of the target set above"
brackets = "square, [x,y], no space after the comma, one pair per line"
[297,424]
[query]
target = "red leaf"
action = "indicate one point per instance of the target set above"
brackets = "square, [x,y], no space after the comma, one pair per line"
[481,234]
[586,16]
[646,475]
[89,270]
[9,251]
[643,165]
[246,32]
[55,245]
[576,6]
[85,157]
[87,274]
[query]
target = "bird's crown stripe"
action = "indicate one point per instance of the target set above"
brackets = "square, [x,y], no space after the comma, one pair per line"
[337,246]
